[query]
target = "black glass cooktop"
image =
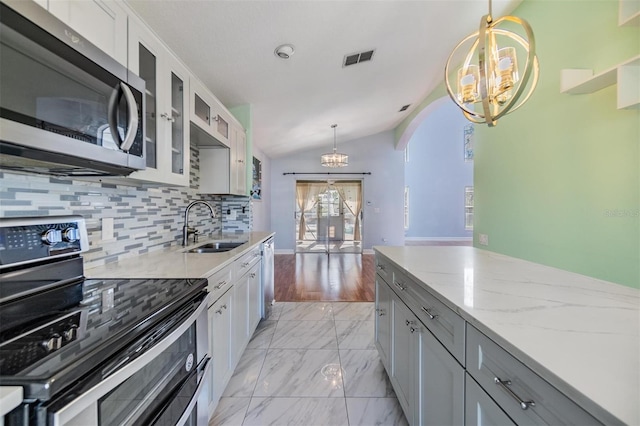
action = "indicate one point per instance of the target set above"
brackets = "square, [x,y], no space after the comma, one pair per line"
[54,351]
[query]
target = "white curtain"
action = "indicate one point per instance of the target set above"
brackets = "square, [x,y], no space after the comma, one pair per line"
[306,195]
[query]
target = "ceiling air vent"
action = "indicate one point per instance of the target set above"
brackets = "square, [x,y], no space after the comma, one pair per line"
[356,58]
[404,108]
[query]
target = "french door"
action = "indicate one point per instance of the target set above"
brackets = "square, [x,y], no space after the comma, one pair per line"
[329,216]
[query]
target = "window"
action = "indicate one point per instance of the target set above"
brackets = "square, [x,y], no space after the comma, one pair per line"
[468,208]
[406,207]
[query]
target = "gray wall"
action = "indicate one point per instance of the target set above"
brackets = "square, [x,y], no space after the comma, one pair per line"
[383,189]
[436,174]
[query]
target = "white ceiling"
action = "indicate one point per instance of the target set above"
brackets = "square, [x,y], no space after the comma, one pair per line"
[230,46]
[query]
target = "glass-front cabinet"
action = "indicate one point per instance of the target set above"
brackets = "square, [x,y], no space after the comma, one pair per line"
[167,97]
[209,115]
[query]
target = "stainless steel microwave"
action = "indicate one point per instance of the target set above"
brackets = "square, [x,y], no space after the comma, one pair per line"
[66,108]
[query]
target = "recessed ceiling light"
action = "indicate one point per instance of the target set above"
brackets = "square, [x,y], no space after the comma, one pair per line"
[284,51]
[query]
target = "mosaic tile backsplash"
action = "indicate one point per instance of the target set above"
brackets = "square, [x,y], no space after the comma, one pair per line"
[146,218]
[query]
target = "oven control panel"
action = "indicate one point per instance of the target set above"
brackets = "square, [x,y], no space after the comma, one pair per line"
[25,350]
[25,240]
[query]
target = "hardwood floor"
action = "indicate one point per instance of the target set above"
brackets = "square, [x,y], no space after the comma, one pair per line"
[344,277]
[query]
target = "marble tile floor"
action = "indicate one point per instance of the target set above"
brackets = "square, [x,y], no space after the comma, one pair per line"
[311,364]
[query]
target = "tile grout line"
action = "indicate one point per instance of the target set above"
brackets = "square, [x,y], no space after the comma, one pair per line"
[344,388]
[261,367]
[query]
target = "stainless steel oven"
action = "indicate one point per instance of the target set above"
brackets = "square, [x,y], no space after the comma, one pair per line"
[66,108]
[96,351]
[161,379]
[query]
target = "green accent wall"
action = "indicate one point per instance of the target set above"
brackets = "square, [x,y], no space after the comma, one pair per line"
[557,182]
[243,114]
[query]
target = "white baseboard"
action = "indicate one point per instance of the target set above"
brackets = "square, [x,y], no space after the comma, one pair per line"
[283,251]
[438,238]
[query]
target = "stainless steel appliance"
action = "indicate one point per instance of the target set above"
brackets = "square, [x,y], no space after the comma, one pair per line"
[267,277]
[66,108]
[96,352]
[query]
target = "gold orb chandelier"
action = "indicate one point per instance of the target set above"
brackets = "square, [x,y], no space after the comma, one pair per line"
[489,84]
[334,159]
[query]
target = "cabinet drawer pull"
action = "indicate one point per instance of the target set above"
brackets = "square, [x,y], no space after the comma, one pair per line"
[219,311]
[245,264]
[380,267]
[399,285]
[220,285]
[224,306]
[413,329]
[408,323]
[431,316]
[252,275]
[504,384]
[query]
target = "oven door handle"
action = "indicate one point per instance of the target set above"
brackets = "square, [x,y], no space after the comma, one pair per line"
[196,395]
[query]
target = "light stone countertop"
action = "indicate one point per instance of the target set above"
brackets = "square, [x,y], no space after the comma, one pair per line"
[10,398]
[580,333]
[174,262]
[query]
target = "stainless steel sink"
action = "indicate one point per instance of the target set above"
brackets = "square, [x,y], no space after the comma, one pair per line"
[218,247]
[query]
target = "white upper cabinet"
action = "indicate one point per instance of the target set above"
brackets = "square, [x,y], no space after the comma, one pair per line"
[208,113]
[102,22]
[167,100]
[223,170]
[239,166]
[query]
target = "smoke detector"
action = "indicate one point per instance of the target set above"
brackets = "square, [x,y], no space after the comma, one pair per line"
[284,51]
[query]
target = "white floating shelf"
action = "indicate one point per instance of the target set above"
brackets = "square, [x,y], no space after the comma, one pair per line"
[629,13]
[626,75]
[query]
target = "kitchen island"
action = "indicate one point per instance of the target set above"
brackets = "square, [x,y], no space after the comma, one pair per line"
[578,334]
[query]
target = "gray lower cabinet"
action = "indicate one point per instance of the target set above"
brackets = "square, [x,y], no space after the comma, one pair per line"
[383,322]
[441,389]
[404,365]
[480,409]
[427,379]
[524,396]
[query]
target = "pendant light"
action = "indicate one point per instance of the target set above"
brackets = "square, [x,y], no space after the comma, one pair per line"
[493,81]
[334,159]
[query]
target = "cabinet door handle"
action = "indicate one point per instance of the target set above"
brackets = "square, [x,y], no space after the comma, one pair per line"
[252,275]
[219,311]
[167,117]
[381,312]
[399,285]
[504,384]
[380,267]
[224,306]
[220,285]
[431,316]
[413,329]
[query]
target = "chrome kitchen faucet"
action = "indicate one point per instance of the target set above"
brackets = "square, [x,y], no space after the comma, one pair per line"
[186,229]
